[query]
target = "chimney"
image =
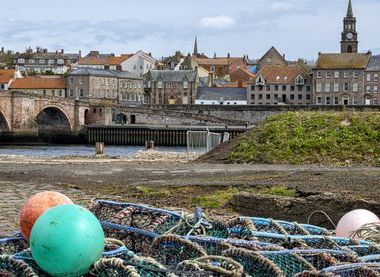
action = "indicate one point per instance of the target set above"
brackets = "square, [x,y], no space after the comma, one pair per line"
[214,55]
[62,51]
[283,55]
[228,55]
[80,53]
[150,54]
[2,49]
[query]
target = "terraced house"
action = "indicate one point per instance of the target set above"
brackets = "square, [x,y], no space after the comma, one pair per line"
[372,81]
[281,85]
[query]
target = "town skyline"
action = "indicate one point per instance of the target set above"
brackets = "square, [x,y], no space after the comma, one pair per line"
[220,28]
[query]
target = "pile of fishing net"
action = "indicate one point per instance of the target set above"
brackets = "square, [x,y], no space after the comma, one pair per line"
[146,241]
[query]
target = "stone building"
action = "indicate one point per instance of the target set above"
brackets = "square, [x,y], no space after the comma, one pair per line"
[372,81]
[221,96]
[338,79]
[349,42]
[271,57]
[281,85]
[171,87]
[44,86]
[100,84]
[41,61]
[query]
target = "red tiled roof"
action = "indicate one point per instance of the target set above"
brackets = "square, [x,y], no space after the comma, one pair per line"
[39,83]
[218,61]
[280,74]
[6,75]
[104,60]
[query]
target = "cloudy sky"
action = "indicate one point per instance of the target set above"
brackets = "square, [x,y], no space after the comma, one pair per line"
[299,28]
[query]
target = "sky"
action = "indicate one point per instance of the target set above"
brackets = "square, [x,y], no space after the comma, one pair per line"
[297,28]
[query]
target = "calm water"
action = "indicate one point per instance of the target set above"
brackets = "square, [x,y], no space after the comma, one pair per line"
[82,151]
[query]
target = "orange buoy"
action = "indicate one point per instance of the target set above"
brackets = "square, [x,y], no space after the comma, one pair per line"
[36,206]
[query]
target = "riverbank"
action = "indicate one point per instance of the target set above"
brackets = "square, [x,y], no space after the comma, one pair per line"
[169,183]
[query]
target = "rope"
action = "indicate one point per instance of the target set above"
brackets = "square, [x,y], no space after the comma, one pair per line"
[369,232]
[116,263]
[321,212]
[20,268]
[176,239]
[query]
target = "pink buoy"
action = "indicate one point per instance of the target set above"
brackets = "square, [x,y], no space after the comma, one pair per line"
[353,221]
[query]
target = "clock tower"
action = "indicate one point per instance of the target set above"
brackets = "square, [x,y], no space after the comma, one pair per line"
[349,43]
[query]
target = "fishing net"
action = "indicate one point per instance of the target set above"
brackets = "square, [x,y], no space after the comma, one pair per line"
[12,245]
[361,269]
[12,267]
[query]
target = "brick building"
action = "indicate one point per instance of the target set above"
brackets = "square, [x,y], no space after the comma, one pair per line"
[281,85]
[171,87]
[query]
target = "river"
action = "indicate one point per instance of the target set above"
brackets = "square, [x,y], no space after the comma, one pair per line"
[53,151]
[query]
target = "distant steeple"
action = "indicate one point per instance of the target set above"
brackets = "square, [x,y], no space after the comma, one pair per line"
[195,53]
[349,10]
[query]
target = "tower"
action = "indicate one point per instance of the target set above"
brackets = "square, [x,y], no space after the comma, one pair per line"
[349,43]
[195,53]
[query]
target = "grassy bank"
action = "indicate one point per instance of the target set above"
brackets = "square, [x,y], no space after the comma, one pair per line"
[314,138]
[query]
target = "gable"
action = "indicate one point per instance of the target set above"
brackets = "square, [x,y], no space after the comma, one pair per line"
[271,57]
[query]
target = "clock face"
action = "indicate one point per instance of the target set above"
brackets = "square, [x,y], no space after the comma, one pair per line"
[349,35]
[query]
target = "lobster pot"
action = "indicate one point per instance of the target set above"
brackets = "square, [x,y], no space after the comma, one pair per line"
[202,141]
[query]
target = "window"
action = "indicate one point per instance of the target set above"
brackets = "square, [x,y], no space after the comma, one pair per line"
[71,92]
[135,67]
[252,96]
[60,61]
[308,88]
[308,97]
[81,92]
[328,101]
[275,96]
[81,81]
[368,77]
[299,96]
[60,93]
[53,92]
[375,89]
[300,81]
[291,96]
[291,88]
[50,62]
[319,87]
[260,81]
[185,84]
[368,89]
[375,77]
[41,61]
[319,74]
[336,101]
[268,87]
[356,74]
[71,80]
[355,87]
[319,100]
[32,61]
[327,87]
[346,86]
[283,88]
[260,96]
[336,74]
[253,87]
[159,84]
[336,87]
[328,74]
[212,68]
[299,88]
[276,87]
[44,92]
[346,74]
[375,101]
[22,61]
[268,96]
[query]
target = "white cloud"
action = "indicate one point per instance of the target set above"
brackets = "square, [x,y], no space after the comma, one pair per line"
[217,22]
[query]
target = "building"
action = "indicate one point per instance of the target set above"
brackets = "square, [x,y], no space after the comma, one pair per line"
[242,75]
[281,85]
[101,84]
[171,87]
[7,76]
[103,61]
[271,57]
[339,79]
[139,63]
[372,81]
[349,42]
[42,61]
[221,96]
[54,86]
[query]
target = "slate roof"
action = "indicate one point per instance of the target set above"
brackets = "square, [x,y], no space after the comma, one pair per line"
[172,75]
[88,71]
[282,74]
[228,94]
[343,61]
[374,63]
[39,83]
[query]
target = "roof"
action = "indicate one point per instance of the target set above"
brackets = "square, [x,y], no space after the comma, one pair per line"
[374,63]
[39,83]
[282,74]
[88,71]
[217,94]
[45,55]
[172,75]
[6,75]
[245,71]
[343,61]
[218,61]
[274,52]
[104,60]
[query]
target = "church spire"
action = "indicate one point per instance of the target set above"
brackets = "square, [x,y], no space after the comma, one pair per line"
[195,53]
[349,10]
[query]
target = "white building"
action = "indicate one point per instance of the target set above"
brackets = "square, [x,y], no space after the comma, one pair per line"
[7,76]
[139,63]
[221,96]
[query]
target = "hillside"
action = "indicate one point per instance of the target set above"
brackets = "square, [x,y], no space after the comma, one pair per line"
[339,138]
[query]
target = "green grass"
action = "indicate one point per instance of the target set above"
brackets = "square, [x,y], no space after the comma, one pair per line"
[332,138]
[216,200]
[278,191]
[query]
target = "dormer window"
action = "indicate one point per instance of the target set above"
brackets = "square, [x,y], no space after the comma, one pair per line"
[186,84]
[212,68]
[300,81]
[260,81]
[160,84]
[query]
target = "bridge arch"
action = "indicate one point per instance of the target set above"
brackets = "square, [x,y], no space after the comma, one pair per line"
[53,117]
[4,123]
